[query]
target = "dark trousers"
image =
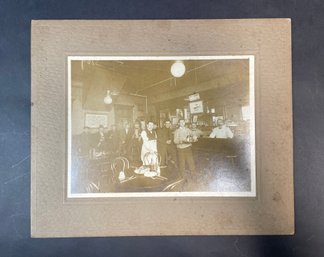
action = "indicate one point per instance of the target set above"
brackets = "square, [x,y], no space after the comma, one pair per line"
[172,151]
[162,151]
[185,156]
[166,150]
[136,152]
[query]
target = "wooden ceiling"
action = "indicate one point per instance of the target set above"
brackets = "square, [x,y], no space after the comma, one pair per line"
[153,78]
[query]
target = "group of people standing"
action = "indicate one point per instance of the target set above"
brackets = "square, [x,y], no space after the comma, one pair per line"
[136,143]
[123,142]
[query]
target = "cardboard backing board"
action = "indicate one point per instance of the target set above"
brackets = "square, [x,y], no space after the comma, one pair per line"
[271,211]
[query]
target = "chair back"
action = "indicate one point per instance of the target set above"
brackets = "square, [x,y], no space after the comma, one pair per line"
[173,186]
[119,164]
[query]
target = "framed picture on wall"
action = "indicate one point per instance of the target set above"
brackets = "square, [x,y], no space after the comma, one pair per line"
[224,184]
[196,107]
[94,120]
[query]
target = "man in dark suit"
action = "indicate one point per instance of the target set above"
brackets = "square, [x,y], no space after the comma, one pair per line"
[85,142]
[165,144]
[113,141]
[126,138]
[100,140]
[136,144]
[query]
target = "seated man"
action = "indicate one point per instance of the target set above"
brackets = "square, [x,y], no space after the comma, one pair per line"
[221,131]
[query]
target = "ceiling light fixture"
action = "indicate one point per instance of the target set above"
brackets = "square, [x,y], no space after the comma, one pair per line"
[108,99]
[178,69]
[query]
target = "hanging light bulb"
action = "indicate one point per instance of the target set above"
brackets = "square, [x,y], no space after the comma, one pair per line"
[108,99]
[178,69]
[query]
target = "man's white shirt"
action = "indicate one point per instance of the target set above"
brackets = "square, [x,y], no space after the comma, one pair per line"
[223,132]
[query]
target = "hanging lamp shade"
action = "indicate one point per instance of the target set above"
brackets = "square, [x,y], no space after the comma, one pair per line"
[108,99]
[178,69]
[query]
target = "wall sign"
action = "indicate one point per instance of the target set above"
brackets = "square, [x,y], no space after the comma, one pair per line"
[94,120]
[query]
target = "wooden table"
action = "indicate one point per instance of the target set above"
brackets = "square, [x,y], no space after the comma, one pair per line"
[139,183]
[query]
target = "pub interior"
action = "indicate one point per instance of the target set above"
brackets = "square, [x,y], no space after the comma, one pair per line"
[160,126]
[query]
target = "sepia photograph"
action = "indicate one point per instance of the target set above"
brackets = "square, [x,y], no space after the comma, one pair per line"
[182,125]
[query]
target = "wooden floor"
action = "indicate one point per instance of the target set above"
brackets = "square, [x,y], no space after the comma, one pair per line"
[215,172]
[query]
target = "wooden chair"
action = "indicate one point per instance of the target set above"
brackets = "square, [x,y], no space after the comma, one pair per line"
[119,164]
[171,187]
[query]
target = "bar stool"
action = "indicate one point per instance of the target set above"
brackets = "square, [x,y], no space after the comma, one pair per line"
[232,159]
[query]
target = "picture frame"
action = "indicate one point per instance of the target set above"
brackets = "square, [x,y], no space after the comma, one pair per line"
[270,211]
[196,107]
[94,120]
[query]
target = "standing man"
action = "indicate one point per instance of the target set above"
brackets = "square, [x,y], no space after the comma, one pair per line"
[165,144]
[100,140]
[221,131]
[196,131]
[136,143]
[85,142]
[149,138]
[126,137]
[113,140]
[183,138]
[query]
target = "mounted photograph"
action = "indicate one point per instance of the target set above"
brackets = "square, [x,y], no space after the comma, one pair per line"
[178,125]
[136,122]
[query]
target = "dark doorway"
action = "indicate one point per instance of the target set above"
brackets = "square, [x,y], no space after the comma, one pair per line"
[123,114]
